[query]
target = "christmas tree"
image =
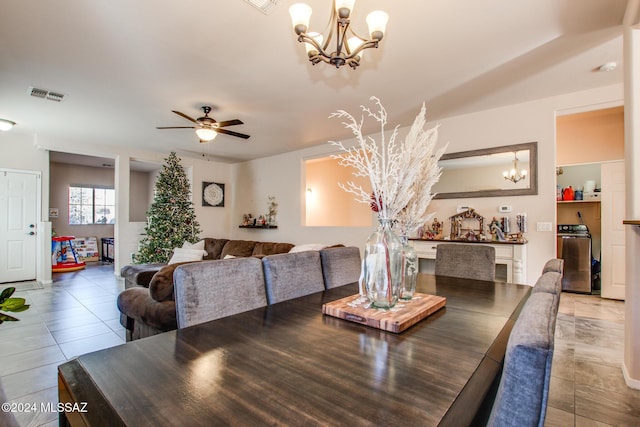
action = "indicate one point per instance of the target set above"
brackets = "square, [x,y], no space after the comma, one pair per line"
[171,219]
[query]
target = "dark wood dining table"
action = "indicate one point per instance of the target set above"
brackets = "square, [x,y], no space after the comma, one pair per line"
[288,364]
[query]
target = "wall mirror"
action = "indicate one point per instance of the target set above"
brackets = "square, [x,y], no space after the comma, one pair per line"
[480,173]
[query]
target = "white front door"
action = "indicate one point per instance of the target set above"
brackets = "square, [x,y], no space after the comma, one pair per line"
[613,231]
[18,219]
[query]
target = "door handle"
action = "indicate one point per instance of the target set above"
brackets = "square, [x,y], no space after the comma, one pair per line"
[31,233]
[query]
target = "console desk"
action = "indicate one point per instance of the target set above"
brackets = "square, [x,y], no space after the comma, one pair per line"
[511,254]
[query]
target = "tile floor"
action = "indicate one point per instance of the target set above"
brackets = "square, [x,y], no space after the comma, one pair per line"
[77,314]
[587,387]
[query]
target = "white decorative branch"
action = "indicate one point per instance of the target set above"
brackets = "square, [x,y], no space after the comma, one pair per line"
[401,173]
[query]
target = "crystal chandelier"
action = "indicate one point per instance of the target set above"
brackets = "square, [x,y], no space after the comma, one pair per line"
[347,51]
[515,174]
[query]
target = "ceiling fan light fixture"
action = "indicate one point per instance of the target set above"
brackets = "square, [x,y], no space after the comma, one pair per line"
[6,125]
[206,134]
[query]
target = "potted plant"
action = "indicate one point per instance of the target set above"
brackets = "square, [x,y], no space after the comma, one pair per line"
[7,303]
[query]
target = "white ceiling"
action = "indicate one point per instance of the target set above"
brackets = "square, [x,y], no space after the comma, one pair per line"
[125,64]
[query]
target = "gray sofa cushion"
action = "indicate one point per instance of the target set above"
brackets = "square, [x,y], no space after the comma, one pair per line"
[292,275]
[238,248]
[340,266]
[214,247]
[524,387]
[209,290]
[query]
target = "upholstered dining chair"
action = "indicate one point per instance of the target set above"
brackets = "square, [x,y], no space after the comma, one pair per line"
[555,264]
[523,392]
[467,261]
[292,275]
[233,286]
[340,266]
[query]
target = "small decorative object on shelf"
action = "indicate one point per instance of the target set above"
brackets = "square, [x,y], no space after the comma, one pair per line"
[462,226]
[272,210]
[248,221]
[401,174]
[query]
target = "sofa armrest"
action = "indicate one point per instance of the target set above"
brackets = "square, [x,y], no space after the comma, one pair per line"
[139,274]
[161,285]
[137,306]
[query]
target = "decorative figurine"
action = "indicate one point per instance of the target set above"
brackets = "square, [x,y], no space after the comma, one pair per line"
[496,232]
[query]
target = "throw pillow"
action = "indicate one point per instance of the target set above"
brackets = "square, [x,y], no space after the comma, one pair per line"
[185,255]
[188,245]
[307,247]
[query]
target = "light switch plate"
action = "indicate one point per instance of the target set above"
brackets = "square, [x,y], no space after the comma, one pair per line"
[544,226]
[504,208]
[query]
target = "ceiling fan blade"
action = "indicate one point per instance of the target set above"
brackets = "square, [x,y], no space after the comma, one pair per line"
[185,116]
[176,127]
[232,133]
[230,123]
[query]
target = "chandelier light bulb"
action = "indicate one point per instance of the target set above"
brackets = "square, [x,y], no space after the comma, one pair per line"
[377,22]
[300,17]
[311,49]
[344,8]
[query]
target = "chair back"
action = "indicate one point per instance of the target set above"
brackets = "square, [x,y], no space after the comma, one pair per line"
[222,288]
[555,264]
[292,275]
[523,392]
[340,266]
[467,261]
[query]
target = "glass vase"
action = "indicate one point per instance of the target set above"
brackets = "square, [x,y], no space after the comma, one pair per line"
[409,269]
[383,266]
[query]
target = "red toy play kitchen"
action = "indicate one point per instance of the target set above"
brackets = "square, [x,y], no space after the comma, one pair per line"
[63,255]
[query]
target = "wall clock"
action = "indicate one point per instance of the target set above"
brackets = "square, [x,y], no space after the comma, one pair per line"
[212,194]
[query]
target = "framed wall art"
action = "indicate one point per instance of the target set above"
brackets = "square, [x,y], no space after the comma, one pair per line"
[212,194]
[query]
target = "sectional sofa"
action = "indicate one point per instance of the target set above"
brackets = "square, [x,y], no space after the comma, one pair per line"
[150,308]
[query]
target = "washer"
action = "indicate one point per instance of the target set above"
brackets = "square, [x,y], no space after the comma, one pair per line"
[574,247]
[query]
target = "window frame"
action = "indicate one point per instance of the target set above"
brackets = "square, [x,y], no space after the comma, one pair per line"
[86,206]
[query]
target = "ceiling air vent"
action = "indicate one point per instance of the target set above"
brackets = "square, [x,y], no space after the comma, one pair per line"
[263,6]
[46,94]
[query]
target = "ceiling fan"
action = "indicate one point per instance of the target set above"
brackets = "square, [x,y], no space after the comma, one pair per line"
[206,127]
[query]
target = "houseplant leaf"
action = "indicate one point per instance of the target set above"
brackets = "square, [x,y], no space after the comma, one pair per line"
[6,294]
[14,304]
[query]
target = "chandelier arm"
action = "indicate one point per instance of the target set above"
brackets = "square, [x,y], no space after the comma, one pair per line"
[366,45]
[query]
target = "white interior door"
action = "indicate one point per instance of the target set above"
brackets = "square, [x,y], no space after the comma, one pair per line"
[613,232]
[18,216]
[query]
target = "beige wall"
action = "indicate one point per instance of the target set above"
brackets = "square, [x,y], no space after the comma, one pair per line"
[326,203]
[591,136]
[140,195]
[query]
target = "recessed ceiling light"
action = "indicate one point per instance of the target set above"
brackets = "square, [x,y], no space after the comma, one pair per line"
[609,66]
[6,124]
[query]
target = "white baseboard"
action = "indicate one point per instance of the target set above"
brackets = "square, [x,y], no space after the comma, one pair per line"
[631,383]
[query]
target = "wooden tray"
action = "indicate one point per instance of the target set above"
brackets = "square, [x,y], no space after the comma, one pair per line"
[399,318]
